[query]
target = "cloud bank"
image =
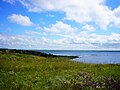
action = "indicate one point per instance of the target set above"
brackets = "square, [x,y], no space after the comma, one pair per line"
[79,41]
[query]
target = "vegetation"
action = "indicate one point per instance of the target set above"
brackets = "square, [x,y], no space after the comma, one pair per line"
[29,72]
[33,52]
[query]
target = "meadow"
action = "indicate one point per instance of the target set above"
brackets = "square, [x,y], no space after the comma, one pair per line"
[29,72]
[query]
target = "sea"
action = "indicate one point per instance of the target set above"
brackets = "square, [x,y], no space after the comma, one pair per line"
[89,56]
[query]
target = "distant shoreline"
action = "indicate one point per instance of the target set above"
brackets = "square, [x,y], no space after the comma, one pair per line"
[84,50]
[35,52]
[97,50]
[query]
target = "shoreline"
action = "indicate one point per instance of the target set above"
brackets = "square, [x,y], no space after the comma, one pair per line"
[25,71]
[36,53]
[47,55]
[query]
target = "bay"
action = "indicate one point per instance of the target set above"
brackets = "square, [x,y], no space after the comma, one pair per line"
[87,56]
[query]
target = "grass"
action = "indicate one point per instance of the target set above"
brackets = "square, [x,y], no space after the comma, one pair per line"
[29,72]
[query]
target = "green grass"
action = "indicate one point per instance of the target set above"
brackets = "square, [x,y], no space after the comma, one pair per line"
[28,72]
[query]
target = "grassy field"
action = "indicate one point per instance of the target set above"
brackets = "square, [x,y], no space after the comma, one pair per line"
[29,72]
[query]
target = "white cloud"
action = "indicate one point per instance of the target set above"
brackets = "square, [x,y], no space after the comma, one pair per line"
[86,40]
[88,28]
[100,39]
[94,12]
[116,12]
[20,19]
[20,41]
[45,5]
[79,41]
[81,11]
[60,27]
[28,42]
[32,33]
[62,41]
[9,1]
[50,15]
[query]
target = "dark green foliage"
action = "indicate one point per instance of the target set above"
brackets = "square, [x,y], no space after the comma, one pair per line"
[33,52]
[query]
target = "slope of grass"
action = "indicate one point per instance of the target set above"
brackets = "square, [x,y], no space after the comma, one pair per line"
[28,72]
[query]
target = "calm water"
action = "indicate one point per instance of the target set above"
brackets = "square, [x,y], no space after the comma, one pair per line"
[103,57]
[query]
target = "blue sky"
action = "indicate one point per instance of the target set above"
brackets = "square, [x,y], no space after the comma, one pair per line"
[60,24]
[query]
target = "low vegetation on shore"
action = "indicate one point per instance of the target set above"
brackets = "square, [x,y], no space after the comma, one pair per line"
[21,71]
[34,52]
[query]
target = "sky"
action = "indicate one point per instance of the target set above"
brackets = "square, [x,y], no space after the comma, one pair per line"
[60,24]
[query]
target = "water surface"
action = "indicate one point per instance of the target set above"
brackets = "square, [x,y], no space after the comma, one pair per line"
[98,57]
